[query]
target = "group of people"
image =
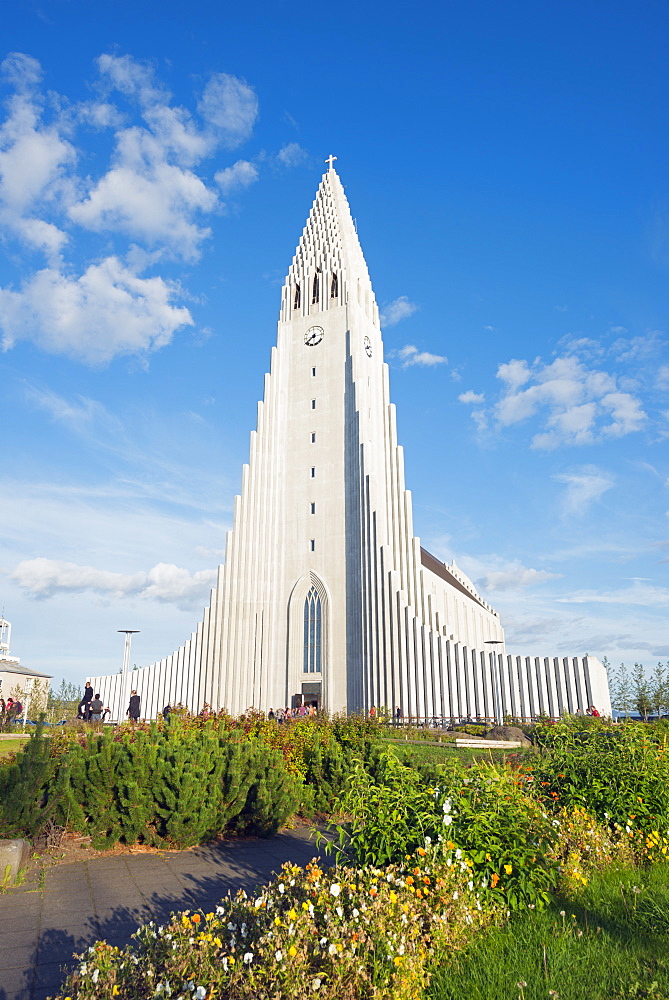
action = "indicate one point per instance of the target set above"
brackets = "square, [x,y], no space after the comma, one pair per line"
[91,708]
[300,712]
[9,710]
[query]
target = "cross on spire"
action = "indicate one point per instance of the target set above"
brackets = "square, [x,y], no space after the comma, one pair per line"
[330,160]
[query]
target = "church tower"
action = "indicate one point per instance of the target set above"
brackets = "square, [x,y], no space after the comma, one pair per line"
[326,595]
[322,571]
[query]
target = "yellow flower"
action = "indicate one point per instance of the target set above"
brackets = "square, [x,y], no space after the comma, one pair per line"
[292,914]
[292,951]
[305,906]
[115,991]
[393,896]
[397,960]
[277,921]
[508,869]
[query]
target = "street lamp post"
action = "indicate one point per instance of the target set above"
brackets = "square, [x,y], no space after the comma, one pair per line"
[499,709]
[128,632]
[27,691]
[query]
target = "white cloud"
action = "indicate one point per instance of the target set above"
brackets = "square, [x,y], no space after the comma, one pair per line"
[640,593]
[34,158]
[165,582]
[409,355]
[579,405]
[105,312]
[394,312]
[663,377]
[292,155]
[229,105]
[471,397]
[147,198]
[240,175]
[583,488]
[515,577]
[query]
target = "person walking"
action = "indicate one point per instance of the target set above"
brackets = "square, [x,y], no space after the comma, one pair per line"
[133,707]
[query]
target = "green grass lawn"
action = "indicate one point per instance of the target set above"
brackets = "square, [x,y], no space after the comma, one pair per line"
[11,746]
[412,753]
[612,943]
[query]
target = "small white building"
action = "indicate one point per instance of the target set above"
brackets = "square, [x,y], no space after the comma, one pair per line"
[12,675]
[326,594]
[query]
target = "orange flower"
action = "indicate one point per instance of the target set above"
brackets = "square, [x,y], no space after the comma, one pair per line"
[494,880]
[196,918]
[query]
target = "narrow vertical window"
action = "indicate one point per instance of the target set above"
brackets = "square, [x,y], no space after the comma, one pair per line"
[312,633]
[314,291]
[296,299]
[313,508]
[334,286]
[312,544]
[313,471]
[313,437]
[313,404]
[313,373]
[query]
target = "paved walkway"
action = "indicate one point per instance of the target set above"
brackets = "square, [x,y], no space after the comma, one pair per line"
[109,897]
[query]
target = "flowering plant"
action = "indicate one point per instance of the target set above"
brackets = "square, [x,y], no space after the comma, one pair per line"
[344,934]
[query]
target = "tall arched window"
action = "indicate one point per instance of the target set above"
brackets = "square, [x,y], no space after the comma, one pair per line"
[314,291]
[296,300]
[312,633]
[334,286]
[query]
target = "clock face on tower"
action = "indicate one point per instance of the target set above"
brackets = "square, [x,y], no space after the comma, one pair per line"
[368,347]
[314,335]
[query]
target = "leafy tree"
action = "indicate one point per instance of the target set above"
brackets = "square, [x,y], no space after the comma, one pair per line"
[659,689]
[641,693]
[63,703]
[621,689]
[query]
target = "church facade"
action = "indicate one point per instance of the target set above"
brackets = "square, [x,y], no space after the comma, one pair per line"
[326,595]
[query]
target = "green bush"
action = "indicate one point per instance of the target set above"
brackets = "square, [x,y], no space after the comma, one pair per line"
[620,774]
[174,784]
[25,803]
[483,820]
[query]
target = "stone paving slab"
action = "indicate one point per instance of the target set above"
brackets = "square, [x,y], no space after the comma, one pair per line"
[110,897]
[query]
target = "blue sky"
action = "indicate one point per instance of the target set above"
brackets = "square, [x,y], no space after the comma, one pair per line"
[507,168]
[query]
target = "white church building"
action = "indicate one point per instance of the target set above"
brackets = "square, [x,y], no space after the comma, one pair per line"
[326,594]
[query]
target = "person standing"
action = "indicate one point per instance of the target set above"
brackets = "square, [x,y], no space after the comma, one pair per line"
[85,703]
[133,707]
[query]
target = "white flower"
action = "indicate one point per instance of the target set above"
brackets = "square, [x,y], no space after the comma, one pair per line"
[356,912]
[200,993]
[323,942]
[470,885]
[220,910]
[278,954]
[282,888]
[456,894]
[248,958]
[340,912]
[335,888]
[258,903]
[315,984]
[428,841]
[458,854]
[95,976]
[332,950]
[447,819]
[232,927]
[447,805]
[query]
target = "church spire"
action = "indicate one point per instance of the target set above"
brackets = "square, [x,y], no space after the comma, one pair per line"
[328,268]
